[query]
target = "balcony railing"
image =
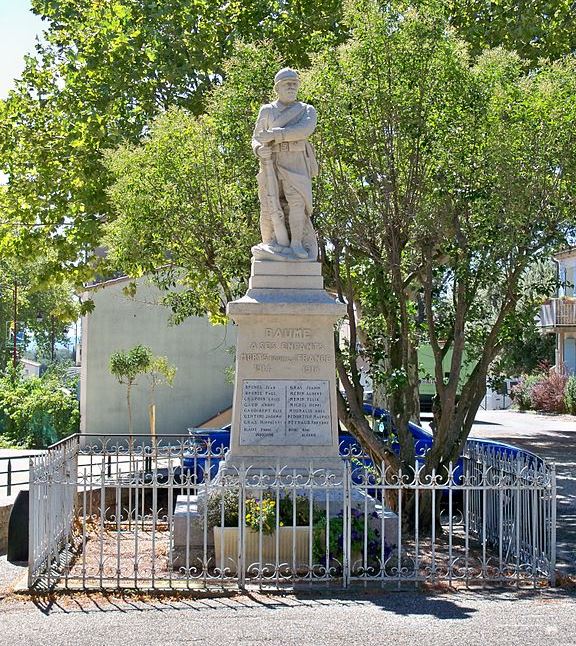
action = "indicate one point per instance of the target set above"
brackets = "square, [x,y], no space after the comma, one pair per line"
[558,312]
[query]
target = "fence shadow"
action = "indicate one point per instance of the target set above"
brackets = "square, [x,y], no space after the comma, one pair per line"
[441,605]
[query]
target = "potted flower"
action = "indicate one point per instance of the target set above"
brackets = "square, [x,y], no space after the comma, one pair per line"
[362,533]
[275,535]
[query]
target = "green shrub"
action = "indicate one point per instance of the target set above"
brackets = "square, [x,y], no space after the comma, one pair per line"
[37,411]
[570,395]
[522,392]
[227,498]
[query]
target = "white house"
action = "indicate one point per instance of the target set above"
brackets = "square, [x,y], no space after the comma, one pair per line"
[200,351]
[558,315]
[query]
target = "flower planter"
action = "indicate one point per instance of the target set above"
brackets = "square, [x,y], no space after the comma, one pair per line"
[293,549]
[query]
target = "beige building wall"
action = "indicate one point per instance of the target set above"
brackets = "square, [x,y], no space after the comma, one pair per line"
[200,351]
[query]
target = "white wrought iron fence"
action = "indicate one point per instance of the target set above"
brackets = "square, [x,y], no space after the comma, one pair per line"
[164,517]
[52,505]
[513,510]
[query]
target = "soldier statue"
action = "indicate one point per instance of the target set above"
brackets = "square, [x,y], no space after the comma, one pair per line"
[287,166]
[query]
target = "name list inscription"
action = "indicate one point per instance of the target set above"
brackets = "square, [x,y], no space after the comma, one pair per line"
[285,412]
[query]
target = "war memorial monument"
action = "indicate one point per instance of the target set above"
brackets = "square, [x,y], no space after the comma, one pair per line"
[285,389]
[284,418]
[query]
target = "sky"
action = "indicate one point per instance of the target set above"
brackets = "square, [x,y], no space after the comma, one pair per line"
[18,29]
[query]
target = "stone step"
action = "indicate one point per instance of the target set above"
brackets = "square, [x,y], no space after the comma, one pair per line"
[286,282]
[285,268]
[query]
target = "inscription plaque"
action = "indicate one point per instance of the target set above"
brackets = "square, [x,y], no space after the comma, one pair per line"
[285,412]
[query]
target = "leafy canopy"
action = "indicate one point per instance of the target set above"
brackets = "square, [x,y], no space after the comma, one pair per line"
[100,73]
[127,365]
[442,179]
[37,411]
[186,209]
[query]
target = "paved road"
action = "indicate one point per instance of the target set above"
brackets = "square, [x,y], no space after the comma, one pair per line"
[408,618]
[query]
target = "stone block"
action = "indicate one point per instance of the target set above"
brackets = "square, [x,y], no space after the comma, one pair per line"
[6,505]
[286,282]
[271,268]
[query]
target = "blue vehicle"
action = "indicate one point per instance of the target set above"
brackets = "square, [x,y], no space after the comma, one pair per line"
[207,446]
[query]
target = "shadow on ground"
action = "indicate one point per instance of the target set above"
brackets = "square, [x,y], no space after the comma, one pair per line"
[439,605]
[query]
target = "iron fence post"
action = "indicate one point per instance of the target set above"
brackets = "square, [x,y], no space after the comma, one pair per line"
[346,513]
[31,521]
[553,527]
[9,478]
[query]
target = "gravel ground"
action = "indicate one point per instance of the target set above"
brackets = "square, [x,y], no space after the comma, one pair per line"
[10,573]
[401,618]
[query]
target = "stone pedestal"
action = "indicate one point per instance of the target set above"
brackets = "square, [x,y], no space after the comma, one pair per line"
[284,404]
[285,392]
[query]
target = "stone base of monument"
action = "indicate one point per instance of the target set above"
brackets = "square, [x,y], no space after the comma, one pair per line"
[285,390]
[188,533]
[284,431]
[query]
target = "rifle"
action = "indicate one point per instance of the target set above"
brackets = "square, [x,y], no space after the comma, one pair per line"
[273,203]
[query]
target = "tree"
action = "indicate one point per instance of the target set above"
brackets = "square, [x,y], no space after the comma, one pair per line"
[443,181]
[100,73]
[126,366]
[37,411]
[387,100]
[535,30]
[526,349]
[203,169]
[103,70]
[443,178]
[42,312]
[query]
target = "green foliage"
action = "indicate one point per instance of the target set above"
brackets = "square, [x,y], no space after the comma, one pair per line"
[570,395]
[196,173]
[524,348]
[550,392]
[36,412]
[522,391]
[444,174]
[296,510]
[44,312]
[361,532]
[103,70]
[224,504]
[442,179]
[160,371]
[525,351]
[127,365]
[536,30]
[260,512]
[179,176]
[100,73]
[223,500]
